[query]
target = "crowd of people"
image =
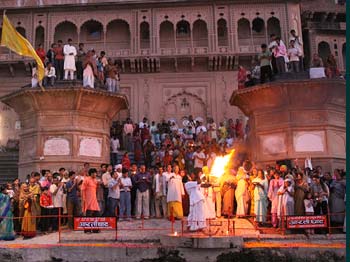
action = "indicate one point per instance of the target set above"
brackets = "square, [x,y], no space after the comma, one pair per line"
[65,62]
[276,59]
[174,180]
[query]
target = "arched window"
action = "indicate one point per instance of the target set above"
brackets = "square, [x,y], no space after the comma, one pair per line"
[91,31]
[222,32]
[66,30]
[118,35]
[39,36]
[183,34]
[200,34]
[243,32]
[21,30]
[183,28]
[144,35]
[324,50]
[166,35]
[258,31]
[273,26]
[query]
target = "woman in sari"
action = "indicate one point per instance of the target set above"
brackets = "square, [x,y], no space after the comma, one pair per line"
[6,217]
[260,185]
[301,189]
[28,222]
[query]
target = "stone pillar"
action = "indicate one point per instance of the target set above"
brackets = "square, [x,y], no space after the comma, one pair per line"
[294,120]
[64,127]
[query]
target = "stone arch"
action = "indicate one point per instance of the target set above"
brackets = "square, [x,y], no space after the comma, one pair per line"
[145,35]
[21,30]
[184,104]
[243,32]
[118,34]
[183,34]
[222,32]
[39,36]
[343,52]
[65,30]
[91,34]
[200,33]
[258,31]
[166,35]
[324,50]
[273,26]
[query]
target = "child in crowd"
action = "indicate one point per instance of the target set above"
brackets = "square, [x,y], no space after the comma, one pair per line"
[309,209]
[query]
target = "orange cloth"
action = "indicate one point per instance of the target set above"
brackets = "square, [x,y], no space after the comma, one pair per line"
[89,198]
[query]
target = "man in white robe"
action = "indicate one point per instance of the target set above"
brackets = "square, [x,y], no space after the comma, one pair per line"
[242,194]
[70,53]
[196,218]
[174,196]
[208,192]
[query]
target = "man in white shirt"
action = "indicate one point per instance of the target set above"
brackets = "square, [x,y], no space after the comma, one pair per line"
[115,145]
[200,128]
[294,54]
[299,45]
[56,189]
[125,195]
[143,123]
[199,159]
[50,75]
[113,194]
[159,189]
[70,53]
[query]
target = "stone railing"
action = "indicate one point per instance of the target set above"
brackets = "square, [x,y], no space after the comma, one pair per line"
[36,3]
[326,25]
[327,6]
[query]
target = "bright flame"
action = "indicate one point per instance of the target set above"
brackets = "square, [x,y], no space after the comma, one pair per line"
[220,164]
[175,233]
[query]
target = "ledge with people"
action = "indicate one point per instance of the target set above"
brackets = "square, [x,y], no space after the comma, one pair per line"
[64,62]
[276,61]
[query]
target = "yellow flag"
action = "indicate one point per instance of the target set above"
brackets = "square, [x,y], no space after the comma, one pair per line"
[20,45]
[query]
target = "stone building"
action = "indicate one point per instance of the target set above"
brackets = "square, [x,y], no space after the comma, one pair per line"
[177,57]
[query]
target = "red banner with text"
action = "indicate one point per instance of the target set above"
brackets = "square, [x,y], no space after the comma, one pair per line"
[306,221]
[84,223]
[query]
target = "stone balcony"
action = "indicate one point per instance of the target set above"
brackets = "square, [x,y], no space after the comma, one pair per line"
[341,26]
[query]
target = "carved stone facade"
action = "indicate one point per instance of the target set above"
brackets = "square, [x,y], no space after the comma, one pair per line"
[177,57]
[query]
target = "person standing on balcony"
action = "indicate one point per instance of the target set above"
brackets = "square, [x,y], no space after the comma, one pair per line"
[111,74]
[90,70]
[41,53]
[59,59]
[265,64]
[80,59]
[51,56]
[293,55]
[299,45]
[280,52]
[70,53]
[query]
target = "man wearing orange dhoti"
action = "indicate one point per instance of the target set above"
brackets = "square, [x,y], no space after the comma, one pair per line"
[89,199]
